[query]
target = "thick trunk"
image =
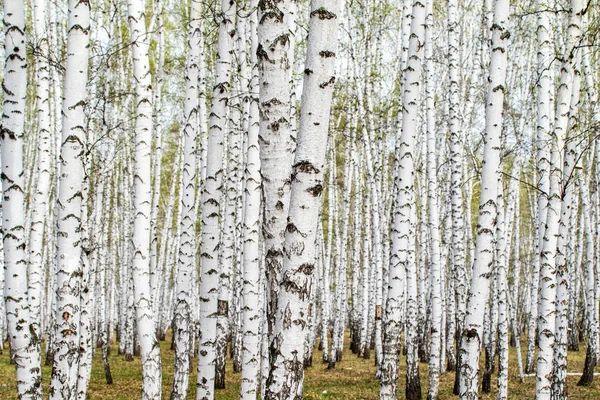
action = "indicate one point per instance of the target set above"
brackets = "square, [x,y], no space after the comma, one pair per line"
[70,206]
[276,148]
[24,343]
[472,333]
[286,374]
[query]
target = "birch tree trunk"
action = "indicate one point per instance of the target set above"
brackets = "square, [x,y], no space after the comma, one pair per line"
[341,287]
[229,234]
[471,335]
[556,206]
[87,284]
[70,205]
[502,298]
[212,208]
[457,249]
[325,323]
[365,351]
[402,228]
[571,63]
[433,214]
[544,93]
[187,251]
[590,277]
[155,269]
[252,292]
[21,329]
[332,252]
[40,211]
[286,374]
[275,39]
[142,199]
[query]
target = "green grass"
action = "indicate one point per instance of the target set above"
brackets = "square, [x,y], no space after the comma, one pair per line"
[353,378]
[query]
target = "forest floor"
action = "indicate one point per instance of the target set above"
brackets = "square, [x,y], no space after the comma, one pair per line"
[353,379]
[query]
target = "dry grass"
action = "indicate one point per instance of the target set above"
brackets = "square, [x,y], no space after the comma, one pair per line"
[354,378]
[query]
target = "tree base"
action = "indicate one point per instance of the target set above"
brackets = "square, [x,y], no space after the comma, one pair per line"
[413,387]
[308,362]
[588,369]
[220,378]
[367,353]
[486,382]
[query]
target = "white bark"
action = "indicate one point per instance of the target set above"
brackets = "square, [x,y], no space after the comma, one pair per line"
[155,270]
[435,265]
[70,206]
[402,248]
[40,209]
[87,288]
[357,291]
[328,257]
[471,335]
[187,252]
[502,299]
[457,247]
[286,375]
[369,144]
[559,377]
[365,336]
[24,343]
[333,253]
[252,292]
[275,40]
[341,288]
[212,209]
[142,199]
[589,290]
[229,234]
[544,93]
[557,205]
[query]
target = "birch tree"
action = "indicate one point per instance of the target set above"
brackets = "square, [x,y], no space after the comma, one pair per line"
[274,50]
[471,336]
[550,253]
[70,205]
[252,291]
[590,277]
[142,199]
[457,249]
[187,251]
[436,352]
[570,156]
[21,330]
[402,227]
[286,374]
[544,91]
[41,206]
[212,209]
